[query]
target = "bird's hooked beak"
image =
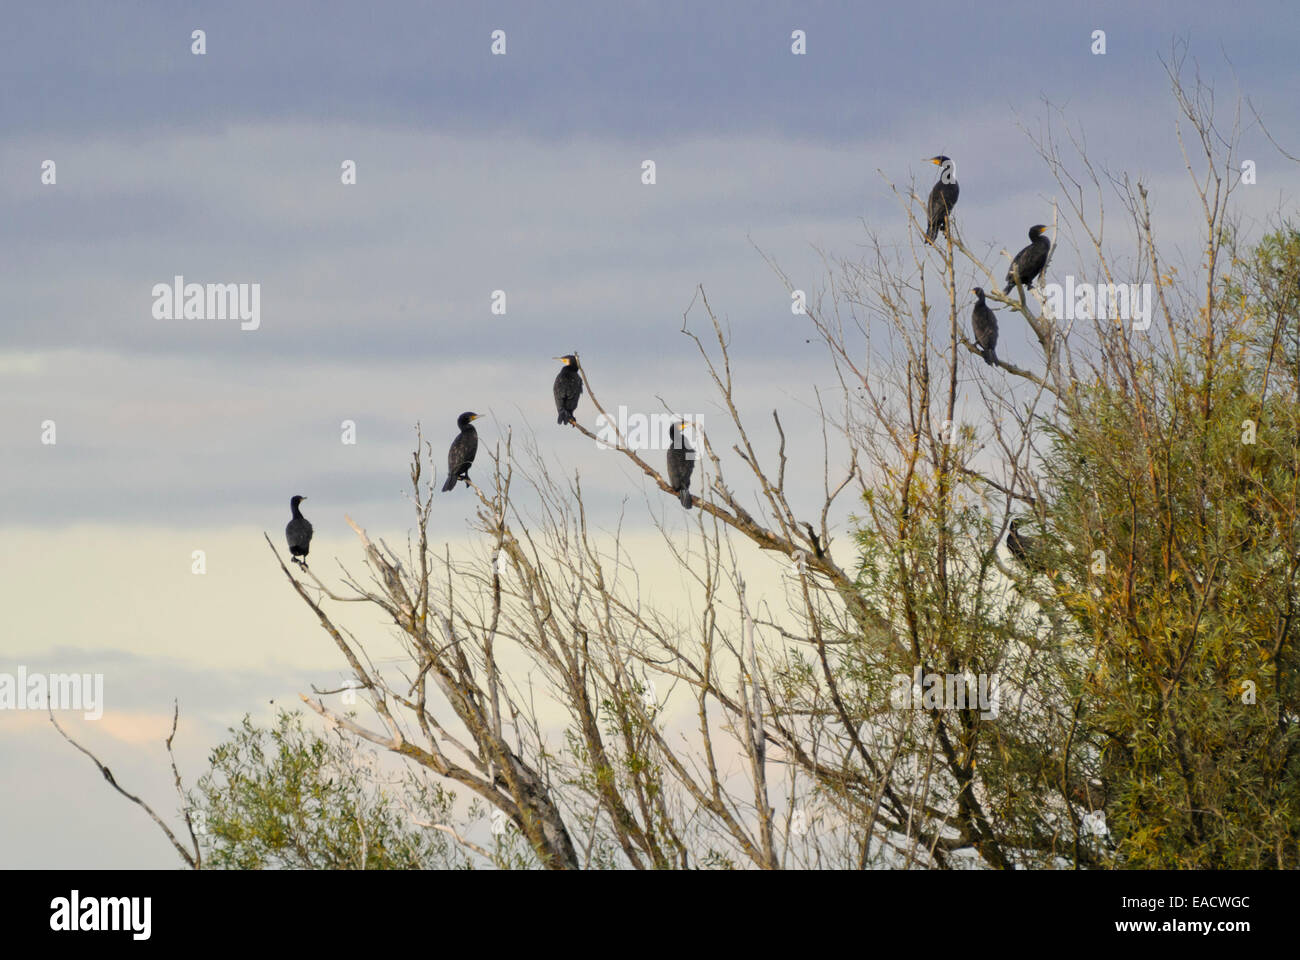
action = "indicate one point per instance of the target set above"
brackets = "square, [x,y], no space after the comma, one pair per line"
[935,160]
[477,416]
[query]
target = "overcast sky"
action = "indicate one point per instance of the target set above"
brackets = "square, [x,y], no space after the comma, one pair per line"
[475,173]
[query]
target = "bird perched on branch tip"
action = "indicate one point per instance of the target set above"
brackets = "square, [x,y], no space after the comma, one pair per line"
[985,326]
[1029,262]
[298,533]
[943,197]
[681,461]
[461,455]
[567,389]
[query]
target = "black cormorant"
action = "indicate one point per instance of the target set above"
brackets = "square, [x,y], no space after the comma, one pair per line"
[567,390]
[298,533]
[943,197]
[681,462]
[461,455]
[1023,548]
[1029,262]
[985,325]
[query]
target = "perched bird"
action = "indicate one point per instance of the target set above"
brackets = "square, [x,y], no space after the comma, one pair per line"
[298,533]
[1029,262]
[943,197]
[985,325]
[681,461]
[1023,548]
[567,390]
[461,455]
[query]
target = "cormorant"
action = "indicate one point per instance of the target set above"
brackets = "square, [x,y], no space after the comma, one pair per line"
[943,197]
[567,390]
[298,533]
[985,325]
[1022,547]
[461,455]
[680,463]
[1029,262]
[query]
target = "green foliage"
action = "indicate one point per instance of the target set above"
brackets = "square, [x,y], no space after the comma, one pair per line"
[1183,483]
[288,798]
[1152,641]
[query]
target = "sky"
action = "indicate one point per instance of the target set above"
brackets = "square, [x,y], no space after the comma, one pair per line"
[475,173]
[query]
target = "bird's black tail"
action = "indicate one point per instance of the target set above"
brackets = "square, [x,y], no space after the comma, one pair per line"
[1011,284]
[565,418]
[932,231]
[990,357]
[450,484]
[686,498]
